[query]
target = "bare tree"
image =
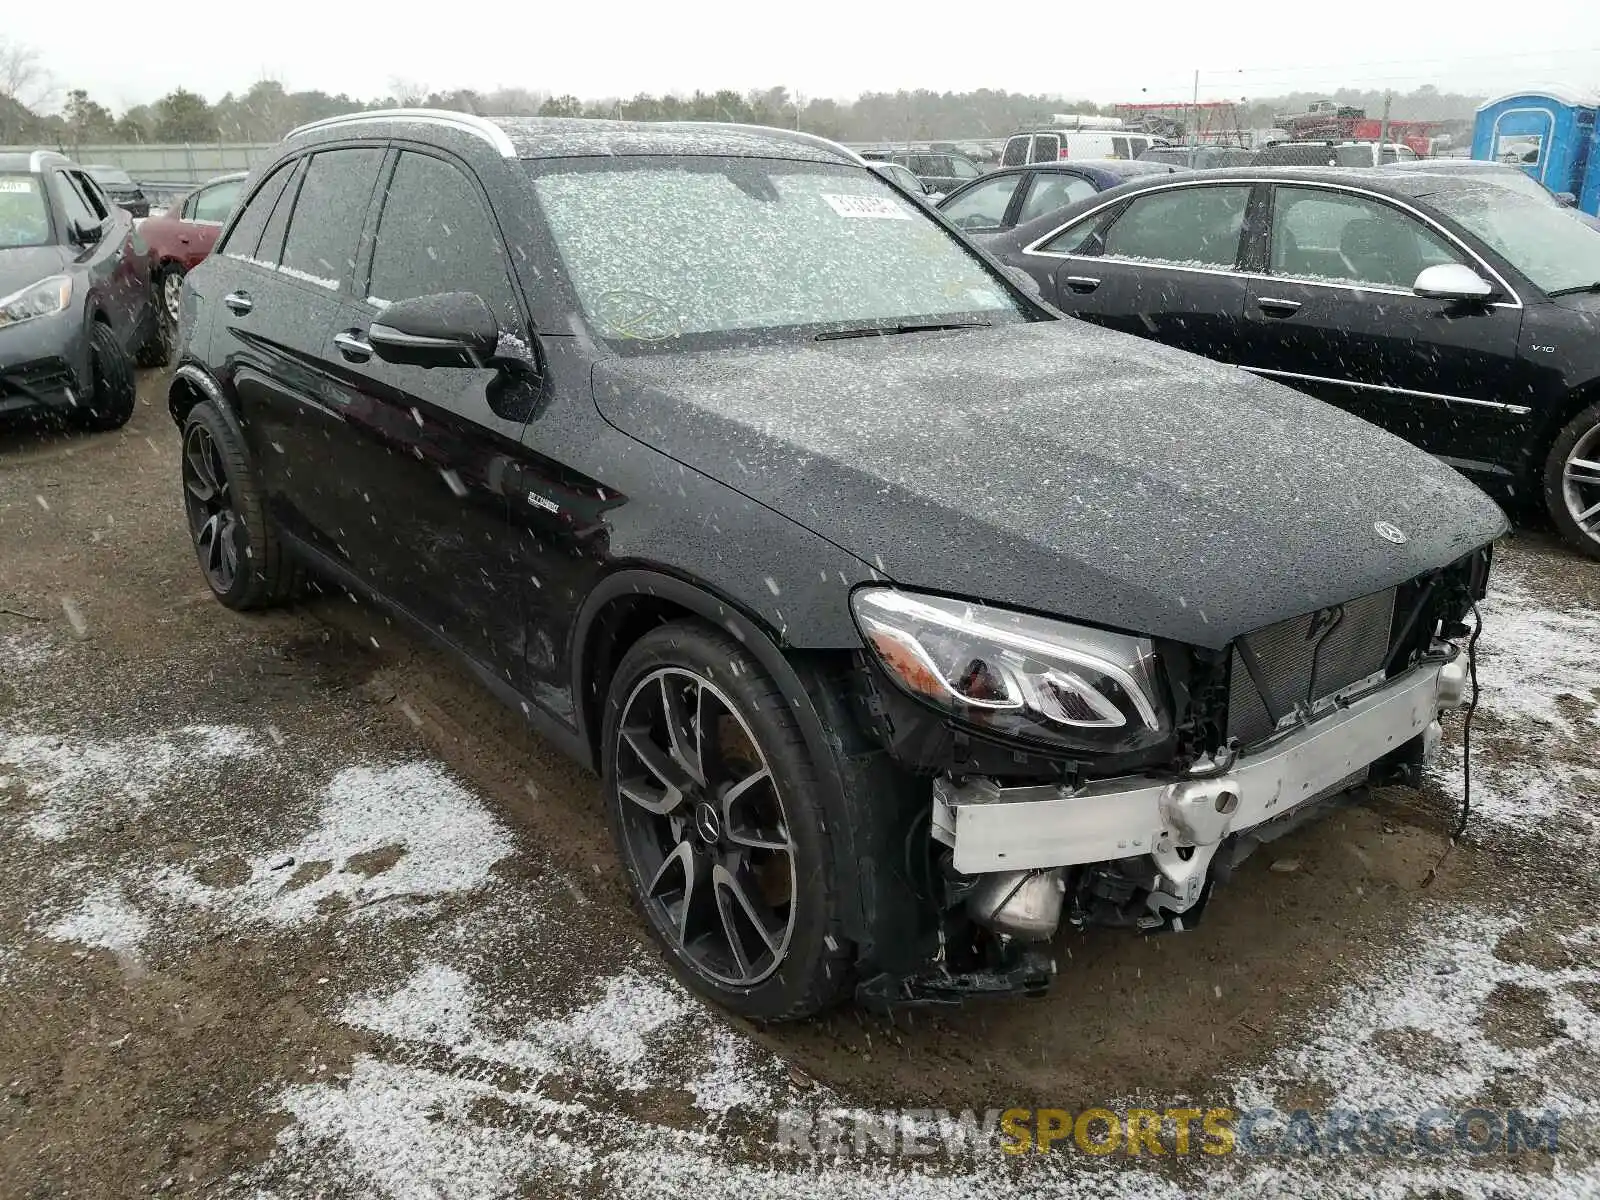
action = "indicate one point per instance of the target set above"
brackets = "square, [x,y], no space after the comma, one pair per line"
[408,93]
[24,85]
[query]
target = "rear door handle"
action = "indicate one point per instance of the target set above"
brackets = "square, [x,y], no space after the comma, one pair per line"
[1277,307]
[353,346]
[239,302]
[1082,283]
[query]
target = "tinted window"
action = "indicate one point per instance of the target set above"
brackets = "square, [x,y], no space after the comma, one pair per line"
[215,203]
[1119,148]
[1197,226]
[1350,239]
[329,213]
[1046,147]
[435,235]
[1082,237]
[983,205]
[1051,192]
[1016,152]
[72,202]
[244,238]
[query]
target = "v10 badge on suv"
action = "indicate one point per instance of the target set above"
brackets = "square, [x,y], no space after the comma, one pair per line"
[905,621]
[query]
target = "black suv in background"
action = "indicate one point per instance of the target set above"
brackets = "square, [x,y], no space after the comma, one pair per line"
[77,306]
[903,618]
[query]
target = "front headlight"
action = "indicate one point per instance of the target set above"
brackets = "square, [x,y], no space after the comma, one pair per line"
[1014,674]
[37,300]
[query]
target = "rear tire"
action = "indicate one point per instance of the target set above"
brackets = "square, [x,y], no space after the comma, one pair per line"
[1572,482]
[745,840]
[111,401]
[243,560]
[157,348]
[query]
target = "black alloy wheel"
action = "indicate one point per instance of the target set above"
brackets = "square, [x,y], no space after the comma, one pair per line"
[214,522]
[704,828]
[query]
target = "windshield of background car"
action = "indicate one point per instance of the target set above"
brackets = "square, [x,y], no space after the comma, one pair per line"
[24,219]
[1536,237]
[679,253]
[112,178]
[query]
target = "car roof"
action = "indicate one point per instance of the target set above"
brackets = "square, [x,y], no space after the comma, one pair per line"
[576,137]
[32,160]
[1405,186]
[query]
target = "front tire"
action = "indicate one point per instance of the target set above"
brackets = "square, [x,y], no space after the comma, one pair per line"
[718,816]
[157,348]
[1572,481]
[243,560]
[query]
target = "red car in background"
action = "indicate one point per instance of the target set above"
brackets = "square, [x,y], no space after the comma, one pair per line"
[183,235]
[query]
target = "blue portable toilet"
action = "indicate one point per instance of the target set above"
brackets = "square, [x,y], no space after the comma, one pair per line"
[1550,134]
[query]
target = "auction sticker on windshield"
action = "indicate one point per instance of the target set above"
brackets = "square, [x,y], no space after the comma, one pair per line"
[881,207]
[16,185]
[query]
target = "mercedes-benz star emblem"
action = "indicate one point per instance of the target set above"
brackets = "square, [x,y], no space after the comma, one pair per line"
[706,823]
[1389,533]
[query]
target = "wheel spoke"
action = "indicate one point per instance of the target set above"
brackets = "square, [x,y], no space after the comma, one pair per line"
[653,759]
[683,741]
[732,903]
[203,486]
[1592,513]
[746,833]
[1581,470]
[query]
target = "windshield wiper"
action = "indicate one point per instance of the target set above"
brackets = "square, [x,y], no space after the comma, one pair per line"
[1572,291]
[886,330]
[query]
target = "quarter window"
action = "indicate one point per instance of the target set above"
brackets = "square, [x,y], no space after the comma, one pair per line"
[329,213]
[983,206]
[436,236]
[1342,238]
[244,238]
[1191,227]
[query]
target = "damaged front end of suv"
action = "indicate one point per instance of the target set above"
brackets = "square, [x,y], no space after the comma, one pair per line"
[1097,778]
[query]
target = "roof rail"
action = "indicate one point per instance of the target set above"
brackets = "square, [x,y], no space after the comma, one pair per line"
[792,135]
[38,158]
[480,127]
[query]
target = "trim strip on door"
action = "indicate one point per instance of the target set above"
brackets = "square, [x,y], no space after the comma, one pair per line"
[1515,409]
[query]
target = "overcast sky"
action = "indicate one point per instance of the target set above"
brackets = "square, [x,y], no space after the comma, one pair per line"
[839,48]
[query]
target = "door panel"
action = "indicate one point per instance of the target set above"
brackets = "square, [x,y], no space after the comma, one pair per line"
[1414,366]
[1162,268]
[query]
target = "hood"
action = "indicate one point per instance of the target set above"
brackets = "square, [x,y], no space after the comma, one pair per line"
[24,265]
[1063,468]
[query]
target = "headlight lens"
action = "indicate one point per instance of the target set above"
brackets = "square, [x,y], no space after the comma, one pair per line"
[37,300]
[1015,674]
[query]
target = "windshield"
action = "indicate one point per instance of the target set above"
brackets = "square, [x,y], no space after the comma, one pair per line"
[111,176]
[1538,238]
[24,220]
[690,252]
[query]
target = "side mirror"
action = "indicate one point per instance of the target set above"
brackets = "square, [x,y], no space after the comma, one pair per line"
[85,233]
[1566,200]
[450,329]
[1452,281]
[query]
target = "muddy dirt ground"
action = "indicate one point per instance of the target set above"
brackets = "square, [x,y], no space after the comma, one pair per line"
[288,906]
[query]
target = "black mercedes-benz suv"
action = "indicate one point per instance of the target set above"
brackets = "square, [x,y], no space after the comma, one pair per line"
[903,618]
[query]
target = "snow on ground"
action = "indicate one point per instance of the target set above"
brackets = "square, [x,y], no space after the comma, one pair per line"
[629,1089]
[407,833]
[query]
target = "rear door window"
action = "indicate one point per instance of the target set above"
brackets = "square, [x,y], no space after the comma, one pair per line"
[1052,192]
[328,215]
[1046,147]
[244,239]
[214,203]
[1189,227]
[1119,148]
[435,235]
[1016,151]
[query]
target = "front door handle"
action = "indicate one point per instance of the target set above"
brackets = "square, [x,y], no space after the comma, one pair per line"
[1276,307]
[239,302]
[1082,283]
[353,346]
